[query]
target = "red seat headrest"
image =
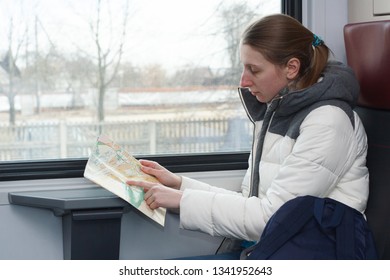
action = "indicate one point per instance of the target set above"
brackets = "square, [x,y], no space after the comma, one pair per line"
[368,53]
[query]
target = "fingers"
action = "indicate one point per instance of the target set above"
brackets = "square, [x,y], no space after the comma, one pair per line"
[161,196]
[150,199]
[152,167]
[150,164]
[150,171]
[143,184]
[149,196]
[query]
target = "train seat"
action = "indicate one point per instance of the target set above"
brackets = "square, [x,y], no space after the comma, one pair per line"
[368,53]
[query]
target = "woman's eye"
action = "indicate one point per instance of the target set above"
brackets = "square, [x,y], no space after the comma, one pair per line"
[253,70]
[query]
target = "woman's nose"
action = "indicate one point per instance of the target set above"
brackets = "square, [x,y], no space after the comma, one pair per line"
[245,81]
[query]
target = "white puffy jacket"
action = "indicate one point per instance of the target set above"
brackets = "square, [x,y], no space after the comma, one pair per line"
[314,145]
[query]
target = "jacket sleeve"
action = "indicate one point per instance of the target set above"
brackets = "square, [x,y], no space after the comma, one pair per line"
[324,151]
[197,206]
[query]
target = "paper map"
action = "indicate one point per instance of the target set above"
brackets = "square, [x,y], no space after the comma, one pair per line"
[110,167]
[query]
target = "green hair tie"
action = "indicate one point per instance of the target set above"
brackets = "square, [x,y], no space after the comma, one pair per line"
[317,41]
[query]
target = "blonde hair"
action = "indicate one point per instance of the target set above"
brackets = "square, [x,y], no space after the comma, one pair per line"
[280,37]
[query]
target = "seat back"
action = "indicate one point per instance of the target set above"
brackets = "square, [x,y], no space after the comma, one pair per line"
[368,53]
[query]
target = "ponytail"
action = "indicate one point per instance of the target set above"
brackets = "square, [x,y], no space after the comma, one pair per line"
[319,59]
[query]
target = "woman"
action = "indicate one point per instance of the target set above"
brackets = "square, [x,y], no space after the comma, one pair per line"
[307,139]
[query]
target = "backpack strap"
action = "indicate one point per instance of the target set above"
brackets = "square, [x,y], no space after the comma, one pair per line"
[345,236]
[342,219]
[293,222]
[336,216]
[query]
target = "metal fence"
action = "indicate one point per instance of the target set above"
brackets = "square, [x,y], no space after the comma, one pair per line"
[75,140]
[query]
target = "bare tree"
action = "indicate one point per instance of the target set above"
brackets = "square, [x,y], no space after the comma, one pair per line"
[41,60]
[77,75]
[9,65]
[234,19]
[108,58]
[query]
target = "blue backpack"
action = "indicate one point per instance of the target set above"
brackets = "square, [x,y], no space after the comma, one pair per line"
[309,227]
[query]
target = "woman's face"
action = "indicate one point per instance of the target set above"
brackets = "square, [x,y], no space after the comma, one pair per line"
[263,78]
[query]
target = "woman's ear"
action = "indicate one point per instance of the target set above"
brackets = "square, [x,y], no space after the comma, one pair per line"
[292,68]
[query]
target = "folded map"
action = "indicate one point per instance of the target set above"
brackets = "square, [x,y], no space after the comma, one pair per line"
[110,166]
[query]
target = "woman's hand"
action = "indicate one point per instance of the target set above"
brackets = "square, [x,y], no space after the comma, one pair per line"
[157,195]
[163,175]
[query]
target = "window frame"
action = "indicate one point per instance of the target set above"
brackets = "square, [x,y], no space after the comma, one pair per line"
[74,168]
[292,8]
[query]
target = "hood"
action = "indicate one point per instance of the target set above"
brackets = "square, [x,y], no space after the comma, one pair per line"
[337,82]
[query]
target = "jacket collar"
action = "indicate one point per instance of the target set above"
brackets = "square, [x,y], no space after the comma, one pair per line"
[337,82]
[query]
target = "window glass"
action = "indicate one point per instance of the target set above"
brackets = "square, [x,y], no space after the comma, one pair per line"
[157,77]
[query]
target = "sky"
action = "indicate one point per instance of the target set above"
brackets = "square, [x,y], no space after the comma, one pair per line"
[173,33]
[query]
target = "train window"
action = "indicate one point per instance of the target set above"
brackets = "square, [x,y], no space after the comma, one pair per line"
[157,77]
